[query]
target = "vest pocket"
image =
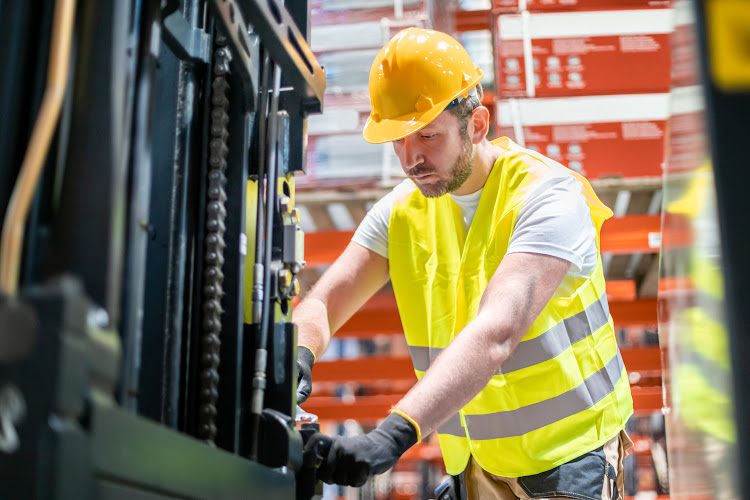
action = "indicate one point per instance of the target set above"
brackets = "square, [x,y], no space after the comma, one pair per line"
[581,478]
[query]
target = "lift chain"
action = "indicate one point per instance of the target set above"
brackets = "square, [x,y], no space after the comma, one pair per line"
[214,244]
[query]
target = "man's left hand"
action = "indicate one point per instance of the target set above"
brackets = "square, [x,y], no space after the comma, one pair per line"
[352,459]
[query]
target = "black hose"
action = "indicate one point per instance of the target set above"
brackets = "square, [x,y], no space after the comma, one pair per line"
[261,357]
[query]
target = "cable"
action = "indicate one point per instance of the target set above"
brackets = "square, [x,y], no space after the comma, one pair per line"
[14,225]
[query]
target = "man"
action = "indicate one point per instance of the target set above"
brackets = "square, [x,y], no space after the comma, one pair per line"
[493,254]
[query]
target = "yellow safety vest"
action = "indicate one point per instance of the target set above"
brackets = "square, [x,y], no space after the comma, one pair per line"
[564,390]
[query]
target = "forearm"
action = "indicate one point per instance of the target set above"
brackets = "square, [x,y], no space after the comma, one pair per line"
[313,330]
[515,296]
[458,374]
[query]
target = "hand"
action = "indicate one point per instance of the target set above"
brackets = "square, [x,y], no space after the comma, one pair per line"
[352,459]
[305,360]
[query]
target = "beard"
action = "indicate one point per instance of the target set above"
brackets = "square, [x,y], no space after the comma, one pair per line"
[459,171]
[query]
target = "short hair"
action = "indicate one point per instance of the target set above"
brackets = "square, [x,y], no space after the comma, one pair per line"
[463,110]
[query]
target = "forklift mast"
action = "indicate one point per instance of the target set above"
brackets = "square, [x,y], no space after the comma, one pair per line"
[151,246]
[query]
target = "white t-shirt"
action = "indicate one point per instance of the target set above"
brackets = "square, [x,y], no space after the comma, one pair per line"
[554,220]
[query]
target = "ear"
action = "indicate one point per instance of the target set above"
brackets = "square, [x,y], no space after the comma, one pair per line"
[479,124]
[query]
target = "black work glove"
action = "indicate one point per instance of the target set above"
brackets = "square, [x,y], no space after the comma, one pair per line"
[305,360]
[352,459]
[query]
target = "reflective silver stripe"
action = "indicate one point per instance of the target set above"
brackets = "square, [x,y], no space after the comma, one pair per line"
[558,338]
[422,356]
[453,427]
[522,420]
[712,306]
[718,377]
[539,349]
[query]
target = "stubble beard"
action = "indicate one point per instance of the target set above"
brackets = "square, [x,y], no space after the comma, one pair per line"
[459,172]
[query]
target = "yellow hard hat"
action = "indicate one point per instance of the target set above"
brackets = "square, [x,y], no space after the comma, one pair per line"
[413,79]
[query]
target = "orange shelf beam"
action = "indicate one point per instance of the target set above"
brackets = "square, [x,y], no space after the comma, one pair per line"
[375,368]
[363,409]
[631,234]
[639,312]
[620,235]
[368,369]
[371,409]
[642,359]
[647,399]
[379,316]
[621,290]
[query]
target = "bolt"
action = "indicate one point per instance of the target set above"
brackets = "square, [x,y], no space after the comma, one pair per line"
[285,204]
[285,279]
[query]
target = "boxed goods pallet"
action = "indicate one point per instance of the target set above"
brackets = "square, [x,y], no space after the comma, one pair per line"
[583,53]
[349,156]
[598,136]
[324,12]
[687,131]
[534,5]
[685,55]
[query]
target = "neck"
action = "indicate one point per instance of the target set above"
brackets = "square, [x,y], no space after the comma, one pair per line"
[485,156]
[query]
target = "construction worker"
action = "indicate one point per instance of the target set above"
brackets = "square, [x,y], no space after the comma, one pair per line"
[492,251]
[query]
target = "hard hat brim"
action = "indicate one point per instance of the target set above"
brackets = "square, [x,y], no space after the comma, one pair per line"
[393,129]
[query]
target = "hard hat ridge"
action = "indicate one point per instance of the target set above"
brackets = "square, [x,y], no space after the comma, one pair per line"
[413,79]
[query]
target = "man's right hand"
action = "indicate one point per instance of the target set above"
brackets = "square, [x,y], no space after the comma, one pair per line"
[305,360]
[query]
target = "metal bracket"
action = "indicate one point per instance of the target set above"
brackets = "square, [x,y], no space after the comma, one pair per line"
[289,49]
[281,38]
[187,43]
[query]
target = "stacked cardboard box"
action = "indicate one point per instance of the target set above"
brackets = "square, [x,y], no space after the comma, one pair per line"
[549,5]
[597,136]
[586,87]
[346,35]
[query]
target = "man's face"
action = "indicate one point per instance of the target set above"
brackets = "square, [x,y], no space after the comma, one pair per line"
[439,157]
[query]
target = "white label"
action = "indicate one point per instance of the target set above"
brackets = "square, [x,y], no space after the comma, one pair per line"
[243,244]
[654,240]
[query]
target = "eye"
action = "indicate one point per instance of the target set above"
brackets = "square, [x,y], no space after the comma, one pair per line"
[428,136]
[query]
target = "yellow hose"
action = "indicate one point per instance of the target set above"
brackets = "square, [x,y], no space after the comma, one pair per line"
[14,225]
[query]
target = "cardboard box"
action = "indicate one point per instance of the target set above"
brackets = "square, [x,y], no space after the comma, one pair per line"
[687,129]
[548,5]
[349,156]
[685,56]
[324,12]
[583,53]
[597,136]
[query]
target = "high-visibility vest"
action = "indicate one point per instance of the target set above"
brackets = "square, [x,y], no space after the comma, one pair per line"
[564,390]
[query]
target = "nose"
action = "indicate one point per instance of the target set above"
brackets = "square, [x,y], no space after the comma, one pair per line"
[409,153]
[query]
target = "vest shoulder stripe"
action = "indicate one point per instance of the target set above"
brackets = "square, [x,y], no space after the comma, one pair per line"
[529,418]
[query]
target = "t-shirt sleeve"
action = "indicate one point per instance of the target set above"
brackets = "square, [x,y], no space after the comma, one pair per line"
[556,220]
[372,232]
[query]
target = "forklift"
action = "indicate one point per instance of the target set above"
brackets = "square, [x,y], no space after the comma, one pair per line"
[150,248]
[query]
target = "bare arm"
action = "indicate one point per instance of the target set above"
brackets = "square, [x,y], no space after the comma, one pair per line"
[520,288]
[355,276]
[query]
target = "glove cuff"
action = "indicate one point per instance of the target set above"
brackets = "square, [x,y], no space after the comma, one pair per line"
[404,431]
[305,355]
[411,421]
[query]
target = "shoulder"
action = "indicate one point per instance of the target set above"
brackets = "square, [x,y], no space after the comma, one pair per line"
[528,173]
